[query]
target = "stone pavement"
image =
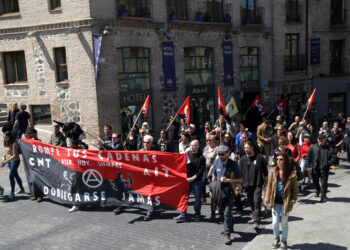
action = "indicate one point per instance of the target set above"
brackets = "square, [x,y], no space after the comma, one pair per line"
[30,225]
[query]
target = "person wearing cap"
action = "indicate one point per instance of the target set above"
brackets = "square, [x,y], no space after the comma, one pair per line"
[254,173]
[191,129]
[195,170]
[57,138]
[319,158]
[303,153]
[225,174]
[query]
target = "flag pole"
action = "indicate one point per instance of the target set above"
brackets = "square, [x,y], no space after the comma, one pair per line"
[175,115]
[171,122]
[271,113]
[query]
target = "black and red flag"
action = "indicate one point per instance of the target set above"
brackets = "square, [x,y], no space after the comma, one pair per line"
[282,107]
[257,103]
[221,103]
[144,108]
[107,178]
[185,110]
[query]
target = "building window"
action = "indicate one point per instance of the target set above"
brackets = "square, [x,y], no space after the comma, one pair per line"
[215,10]
[249,64]
[8,6]
[61,64]
[55,4]
[178,8]
[41,114]
[293,61]
[15,67]
[338,64]
[292,13]
[338,12]
[248,11]
[133,69]
[134,8]
[199,66]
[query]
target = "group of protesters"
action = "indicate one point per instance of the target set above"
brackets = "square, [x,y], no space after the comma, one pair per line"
[226,162]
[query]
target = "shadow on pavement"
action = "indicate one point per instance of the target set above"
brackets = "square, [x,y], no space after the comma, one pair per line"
[307,201]
[294,218]
[339,199]
[333,185]
[318,246]
[5,198]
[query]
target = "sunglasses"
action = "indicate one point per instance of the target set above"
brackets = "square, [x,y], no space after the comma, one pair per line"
[280,159]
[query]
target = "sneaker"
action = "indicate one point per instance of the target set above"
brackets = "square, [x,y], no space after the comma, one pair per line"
[20,192]
[251,221]
[118,210]
[256,225]
[197,218]
[284,245]
[275,244]
[73,209]
[39,199]
[11,196]
[227,240]
[181,219]
[323,199]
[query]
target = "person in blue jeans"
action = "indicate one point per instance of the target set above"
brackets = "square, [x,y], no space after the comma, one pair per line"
[281,193]
[195,169]
[11,158]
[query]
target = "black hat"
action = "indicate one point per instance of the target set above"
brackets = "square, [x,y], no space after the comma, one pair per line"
[321,137]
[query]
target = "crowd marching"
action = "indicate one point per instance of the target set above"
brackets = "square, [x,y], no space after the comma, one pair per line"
[226,163]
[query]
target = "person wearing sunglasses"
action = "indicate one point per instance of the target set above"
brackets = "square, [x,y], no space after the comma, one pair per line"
[281,193]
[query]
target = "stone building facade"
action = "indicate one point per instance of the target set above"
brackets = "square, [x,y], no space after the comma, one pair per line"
[56,39]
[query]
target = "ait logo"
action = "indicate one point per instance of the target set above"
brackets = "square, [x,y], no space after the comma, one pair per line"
[92,178]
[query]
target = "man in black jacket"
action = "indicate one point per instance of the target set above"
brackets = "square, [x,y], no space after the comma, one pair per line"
[253,174]
[320,157]
[195,169]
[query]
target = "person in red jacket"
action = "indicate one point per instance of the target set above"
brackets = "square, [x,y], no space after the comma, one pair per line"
[303,152]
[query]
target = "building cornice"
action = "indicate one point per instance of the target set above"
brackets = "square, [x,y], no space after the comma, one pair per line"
[47,27]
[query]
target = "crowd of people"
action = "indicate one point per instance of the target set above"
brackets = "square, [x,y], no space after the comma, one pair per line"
[226,163]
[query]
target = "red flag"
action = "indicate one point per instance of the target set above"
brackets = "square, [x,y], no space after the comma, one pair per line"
[311,100]
[145,107]
[282,107]
[221,103]
[185,110]
[257,103]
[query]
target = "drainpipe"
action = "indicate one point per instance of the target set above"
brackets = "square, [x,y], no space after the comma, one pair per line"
[307,36]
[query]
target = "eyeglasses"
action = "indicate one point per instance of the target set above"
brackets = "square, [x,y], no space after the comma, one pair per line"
[280,159]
